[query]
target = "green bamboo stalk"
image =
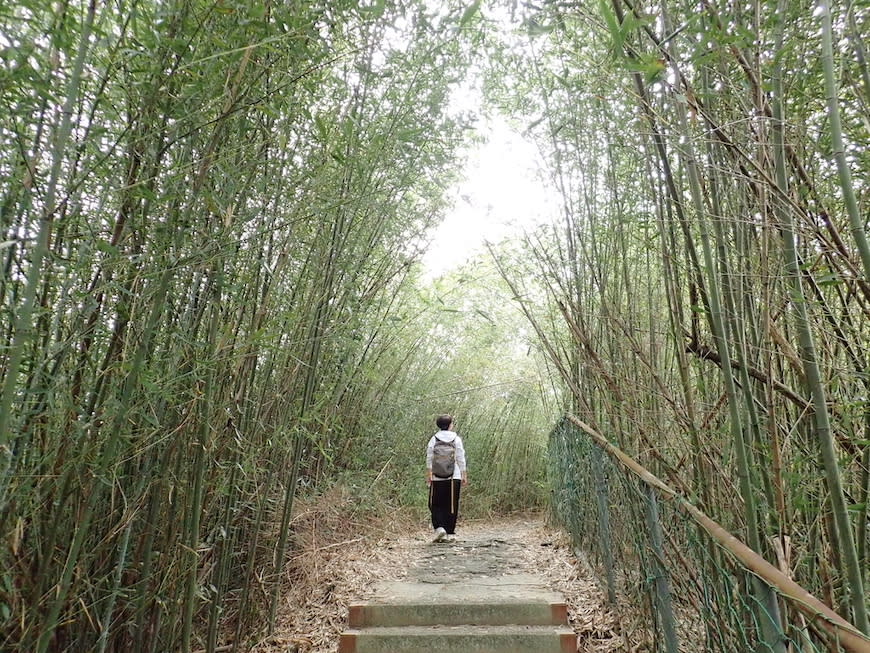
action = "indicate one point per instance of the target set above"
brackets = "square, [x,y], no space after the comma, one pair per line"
[862,533]
[856,220]
[821,416]
[146,562]
[226,547]
[675,319]
[192,528]
[860,54]
[103,640]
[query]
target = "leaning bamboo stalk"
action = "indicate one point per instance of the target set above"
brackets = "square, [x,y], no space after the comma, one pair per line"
[315,333]
[740,153]
[815,610]
[821,416]
[546,342]
[104,461]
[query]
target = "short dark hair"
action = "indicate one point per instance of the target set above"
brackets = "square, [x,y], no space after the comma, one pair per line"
[444,421]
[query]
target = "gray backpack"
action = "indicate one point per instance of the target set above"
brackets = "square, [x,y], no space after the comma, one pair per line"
[443,458]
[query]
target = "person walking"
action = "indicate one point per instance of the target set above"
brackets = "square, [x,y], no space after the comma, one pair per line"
[446,474]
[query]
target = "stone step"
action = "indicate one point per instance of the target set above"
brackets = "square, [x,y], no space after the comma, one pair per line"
[460,639]
[490,613]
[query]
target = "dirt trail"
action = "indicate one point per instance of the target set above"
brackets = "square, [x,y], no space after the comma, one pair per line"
[480,550]
[332,573]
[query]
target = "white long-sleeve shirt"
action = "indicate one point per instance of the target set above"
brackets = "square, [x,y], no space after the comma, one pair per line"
[447,436]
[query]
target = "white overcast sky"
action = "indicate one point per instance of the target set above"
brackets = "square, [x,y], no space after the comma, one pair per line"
[501,195]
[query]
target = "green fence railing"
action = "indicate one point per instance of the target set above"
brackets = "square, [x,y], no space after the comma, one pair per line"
[690,584]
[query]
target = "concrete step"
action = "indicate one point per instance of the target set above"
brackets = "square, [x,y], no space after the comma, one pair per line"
[490,613]
[460,639]
[484,600]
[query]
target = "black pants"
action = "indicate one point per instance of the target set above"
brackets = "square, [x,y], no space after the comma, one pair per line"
[444,504]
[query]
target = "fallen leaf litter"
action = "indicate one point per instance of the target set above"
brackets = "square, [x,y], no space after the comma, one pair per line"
[338,558]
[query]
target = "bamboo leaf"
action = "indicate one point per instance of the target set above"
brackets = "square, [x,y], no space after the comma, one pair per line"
[829,279]
[374,11]
[536,28]
[470,12]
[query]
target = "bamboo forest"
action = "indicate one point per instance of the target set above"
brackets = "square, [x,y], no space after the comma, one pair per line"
[217,311]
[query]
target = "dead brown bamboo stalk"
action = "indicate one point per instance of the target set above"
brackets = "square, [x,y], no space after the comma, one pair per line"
[851,639]
[706,353]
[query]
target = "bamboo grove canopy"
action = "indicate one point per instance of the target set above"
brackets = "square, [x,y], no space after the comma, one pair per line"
[213,217]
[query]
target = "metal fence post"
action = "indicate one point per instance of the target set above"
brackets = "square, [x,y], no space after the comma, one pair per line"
[664,608]
[601,495]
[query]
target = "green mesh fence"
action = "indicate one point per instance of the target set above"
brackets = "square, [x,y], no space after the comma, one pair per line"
[685,591]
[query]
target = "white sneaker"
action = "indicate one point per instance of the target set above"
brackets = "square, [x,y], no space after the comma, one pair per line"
[440,534]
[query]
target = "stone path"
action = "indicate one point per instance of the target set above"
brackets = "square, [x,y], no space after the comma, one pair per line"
[469,596]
